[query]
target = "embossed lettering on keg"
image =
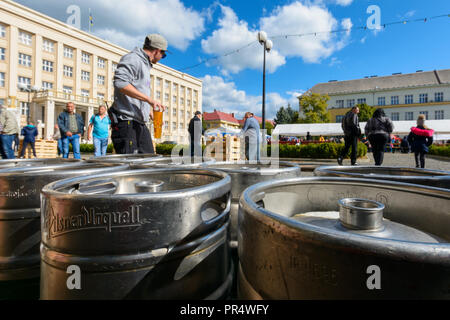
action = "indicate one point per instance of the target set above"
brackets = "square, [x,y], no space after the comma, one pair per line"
[428,177]
[246,174]
[20,224]
[160,234]
[293,243]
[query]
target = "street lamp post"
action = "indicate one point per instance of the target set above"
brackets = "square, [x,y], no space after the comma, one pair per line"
[267,44]
[29,89]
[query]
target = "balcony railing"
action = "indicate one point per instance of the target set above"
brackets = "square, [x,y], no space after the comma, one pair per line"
[61,95]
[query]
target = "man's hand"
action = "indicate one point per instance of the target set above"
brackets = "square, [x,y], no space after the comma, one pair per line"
[89,138]
[157,106]
[69,134]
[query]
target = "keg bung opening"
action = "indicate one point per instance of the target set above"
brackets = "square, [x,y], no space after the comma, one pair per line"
[361,214]
[149,186]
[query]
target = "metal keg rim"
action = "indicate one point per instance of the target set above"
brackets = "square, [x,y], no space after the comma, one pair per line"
[5,162]
[347,171]
[117,158]
[61,169]
[287,167]
[156,163]
[224,182]
[336,238]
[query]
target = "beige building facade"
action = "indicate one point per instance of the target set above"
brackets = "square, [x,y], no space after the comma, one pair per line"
[60,63]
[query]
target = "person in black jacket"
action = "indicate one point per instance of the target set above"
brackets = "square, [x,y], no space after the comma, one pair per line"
[29,132]
[350,126]
[378,130]
[420,138]
[196,131]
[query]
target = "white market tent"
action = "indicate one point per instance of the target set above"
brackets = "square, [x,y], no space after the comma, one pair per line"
[441,129]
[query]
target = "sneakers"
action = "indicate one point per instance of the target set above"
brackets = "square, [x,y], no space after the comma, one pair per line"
[355,164]
[339,160]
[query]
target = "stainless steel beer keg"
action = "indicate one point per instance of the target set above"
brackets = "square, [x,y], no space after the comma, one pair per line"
[434,178]
[139,234]
[174,162]
[244,175]
[13,163]
[126,158]
[20,237]
[344,238]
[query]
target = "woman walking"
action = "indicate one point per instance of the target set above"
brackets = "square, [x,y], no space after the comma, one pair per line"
[378,130]
[420,138]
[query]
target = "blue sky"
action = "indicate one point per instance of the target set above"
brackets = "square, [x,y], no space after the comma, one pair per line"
[199,30]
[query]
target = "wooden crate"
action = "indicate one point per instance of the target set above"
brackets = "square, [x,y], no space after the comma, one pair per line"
[229,147]
[44,149]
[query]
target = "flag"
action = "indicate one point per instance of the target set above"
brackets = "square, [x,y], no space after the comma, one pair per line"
[91,20]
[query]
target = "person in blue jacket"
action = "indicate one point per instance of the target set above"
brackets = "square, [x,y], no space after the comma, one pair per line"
[29,132]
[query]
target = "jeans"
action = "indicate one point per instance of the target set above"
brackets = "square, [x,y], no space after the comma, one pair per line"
[24,147]
[420,159]
[7,141]
[378,142]
[75,142]
[60,147]
[100,146]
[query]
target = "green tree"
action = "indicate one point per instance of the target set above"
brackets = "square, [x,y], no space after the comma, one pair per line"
[269,127]
[314,107]
[365,111]
[282,116]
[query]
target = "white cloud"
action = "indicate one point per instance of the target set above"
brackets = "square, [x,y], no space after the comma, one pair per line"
[233,34]
[295,18]
[132,18]
[344,2]
[224,96]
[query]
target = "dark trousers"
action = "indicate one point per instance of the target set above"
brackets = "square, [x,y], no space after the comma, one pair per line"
[378,142]
[420,159]
[129,136]
[350,141]
[24,147]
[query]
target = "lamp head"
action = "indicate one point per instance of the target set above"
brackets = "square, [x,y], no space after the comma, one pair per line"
[262,37]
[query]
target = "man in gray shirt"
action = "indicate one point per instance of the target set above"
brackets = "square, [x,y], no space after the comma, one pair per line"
[252,137]
[131,109]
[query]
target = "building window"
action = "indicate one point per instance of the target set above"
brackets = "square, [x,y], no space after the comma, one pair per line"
[24,108]
[2,53]
[174,126]
[85,95]
[182,90]
[188,103]
[67,91]
[394,100]
[425,113]
[25,38]
[174,99]
[114,67]
[350,103]
[68,71]
[68,53]
[395,116]
[189,91]
[166,125]
[439,97]
[2,79]
[439,114]
[85,75]
[174,111]
[188,114]
[158,95]
[181,125]
[158,82]
[101,63]
[339,103]
[423,98]
[409,116]
[166,97]
[362,101]
[195,104]
[100,80]
[339,119]
[100,96]
[166,84]
[174,87]
[2,31]
[47,85]
[47,65]
[24,60]
[181,101]
[85,57]
[381,101]
[25,81]
[409,99]
[48,46]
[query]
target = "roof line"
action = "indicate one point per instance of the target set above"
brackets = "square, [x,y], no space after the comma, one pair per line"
[437,77]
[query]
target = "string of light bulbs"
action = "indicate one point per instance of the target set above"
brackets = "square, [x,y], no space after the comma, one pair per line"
[382,27]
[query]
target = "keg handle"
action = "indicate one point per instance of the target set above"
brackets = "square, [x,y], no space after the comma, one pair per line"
[108,186]
[208,211]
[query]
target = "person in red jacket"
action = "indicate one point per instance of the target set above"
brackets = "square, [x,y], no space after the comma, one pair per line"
[420,138]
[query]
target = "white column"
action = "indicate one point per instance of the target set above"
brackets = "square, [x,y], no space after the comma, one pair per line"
[94,77]
[49,119]
[109,81]
[13,63]
[59,67]
[38,61]
[77,72]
